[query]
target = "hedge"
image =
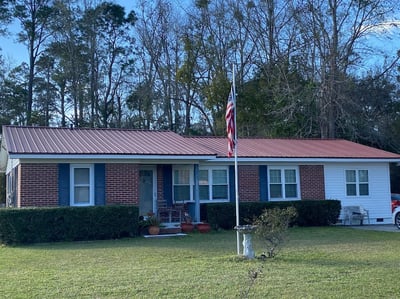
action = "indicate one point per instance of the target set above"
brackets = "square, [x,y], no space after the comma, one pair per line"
[309,212]
[33,225]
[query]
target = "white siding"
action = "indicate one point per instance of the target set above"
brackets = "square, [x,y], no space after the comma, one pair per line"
[377,202]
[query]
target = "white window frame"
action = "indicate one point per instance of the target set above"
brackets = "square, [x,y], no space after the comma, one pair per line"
[182,167]
[210,183]
[357,183]
[191,182]
[72,185]
[283,183]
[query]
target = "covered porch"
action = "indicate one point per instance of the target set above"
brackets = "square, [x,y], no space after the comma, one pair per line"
[173,192]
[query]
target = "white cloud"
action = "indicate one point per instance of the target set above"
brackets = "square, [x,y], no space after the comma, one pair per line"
[384,27]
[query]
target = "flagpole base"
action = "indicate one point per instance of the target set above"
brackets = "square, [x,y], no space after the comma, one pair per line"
[246,231]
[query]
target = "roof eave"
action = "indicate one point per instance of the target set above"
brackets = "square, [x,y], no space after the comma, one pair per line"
[208,158]
[110,157]
[308,159]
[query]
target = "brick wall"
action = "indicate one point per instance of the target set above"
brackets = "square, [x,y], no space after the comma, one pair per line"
[249,183]
[122,184]
[37,185]
[161,202]
[312,182]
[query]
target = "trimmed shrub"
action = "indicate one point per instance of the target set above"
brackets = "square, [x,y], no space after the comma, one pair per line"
[221,215]
[309,212]
[203,213]
[317,213]
[33,225]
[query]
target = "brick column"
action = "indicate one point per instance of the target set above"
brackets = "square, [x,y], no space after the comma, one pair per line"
[312,182]
[122,184]
[249,183]
[37,185]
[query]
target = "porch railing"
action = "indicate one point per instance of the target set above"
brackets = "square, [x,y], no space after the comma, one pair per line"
[170,214]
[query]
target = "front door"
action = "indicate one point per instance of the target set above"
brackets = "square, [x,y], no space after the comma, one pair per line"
[147,190]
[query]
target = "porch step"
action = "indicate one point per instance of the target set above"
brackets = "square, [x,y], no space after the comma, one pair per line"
[165,235]
[170,230]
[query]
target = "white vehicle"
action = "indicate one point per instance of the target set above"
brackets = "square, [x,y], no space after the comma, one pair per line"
[396,209]
[396,217]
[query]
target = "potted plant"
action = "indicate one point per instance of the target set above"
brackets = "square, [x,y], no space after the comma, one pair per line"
[153,224]
[187,225]
[143,226]
[203,227]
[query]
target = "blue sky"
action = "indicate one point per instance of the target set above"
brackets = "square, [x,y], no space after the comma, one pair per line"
[385,41]
[11,51]
[15,53]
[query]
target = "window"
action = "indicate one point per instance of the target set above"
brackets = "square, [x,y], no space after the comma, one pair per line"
[213,183]
[283,183]
[204,185]
[182,184]
[357,183]
[82,185]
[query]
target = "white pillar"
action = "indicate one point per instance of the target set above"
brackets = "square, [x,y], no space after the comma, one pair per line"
[196,192]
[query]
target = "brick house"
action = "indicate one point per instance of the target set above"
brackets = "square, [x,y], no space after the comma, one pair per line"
[160,170]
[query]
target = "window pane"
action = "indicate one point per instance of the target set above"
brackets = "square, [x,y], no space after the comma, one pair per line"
[176,176]
[363,176]
[275,176]
[219,177]
[204,192]
[276,191]
[350,176]
[81,176]
[203,177]
[181,176]
[291,190]
[290,176]
[351,189]
[364,189]
[81,195]
[181,193]
[220,192]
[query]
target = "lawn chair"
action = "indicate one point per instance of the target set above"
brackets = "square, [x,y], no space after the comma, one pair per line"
[355,213]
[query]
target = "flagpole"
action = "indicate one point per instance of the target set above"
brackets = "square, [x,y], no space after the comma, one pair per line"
[236,166]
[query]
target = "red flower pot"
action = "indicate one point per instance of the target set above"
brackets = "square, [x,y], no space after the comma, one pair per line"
[203,227]
[154,230]
[187,227]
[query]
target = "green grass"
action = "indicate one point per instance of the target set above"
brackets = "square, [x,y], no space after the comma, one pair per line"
[330,262]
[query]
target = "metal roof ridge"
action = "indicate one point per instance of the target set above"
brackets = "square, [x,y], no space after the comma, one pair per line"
[268,138]
[88,129]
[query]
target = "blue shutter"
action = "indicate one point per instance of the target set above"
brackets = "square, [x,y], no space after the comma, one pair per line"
[232,183]
[63,184]
[99,184]
[263,182]
[167,175]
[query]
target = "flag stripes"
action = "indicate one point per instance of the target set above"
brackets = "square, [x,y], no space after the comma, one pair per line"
[230,123]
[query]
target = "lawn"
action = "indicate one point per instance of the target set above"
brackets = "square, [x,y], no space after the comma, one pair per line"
[327,262]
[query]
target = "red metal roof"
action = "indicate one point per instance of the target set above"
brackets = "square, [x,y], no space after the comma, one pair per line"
[295,148]
[46,140]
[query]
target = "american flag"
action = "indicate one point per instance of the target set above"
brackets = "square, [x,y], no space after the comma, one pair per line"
[230,122]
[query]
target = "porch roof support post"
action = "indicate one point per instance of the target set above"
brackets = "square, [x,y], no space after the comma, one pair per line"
[196,191]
